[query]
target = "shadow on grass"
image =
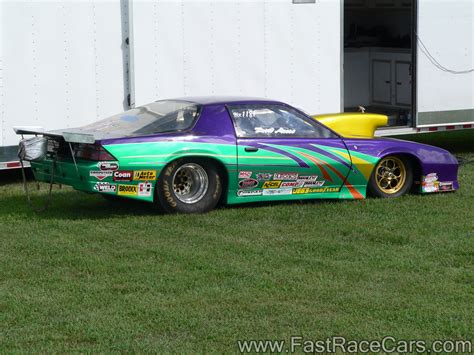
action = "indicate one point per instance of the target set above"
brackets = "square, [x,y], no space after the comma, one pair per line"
[73,205]
[14,176]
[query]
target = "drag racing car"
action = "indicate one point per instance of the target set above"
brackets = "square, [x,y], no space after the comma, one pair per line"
[188,155]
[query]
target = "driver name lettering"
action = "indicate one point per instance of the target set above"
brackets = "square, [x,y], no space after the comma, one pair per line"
[271,130]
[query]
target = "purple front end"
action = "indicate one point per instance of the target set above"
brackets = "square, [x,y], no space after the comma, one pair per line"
[436,169]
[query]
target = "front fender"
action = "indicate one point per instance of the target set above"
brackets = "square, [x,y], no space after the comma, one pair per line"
[432,160]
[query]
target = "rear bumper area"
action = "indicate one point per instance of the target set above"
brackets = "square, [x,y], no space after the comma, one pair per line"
[88,177]
[65,173]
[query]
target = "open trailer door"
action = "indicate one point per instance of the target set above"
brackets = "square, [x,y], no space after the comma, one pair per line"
[445,77]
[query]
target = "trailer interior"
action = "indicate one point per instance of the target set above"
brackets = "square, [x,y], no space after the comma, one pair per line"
[379,58]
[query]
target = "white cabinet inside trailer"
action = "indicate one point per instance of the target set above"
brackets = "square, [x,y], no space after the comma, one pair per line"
[377,76]
[381,81]
[356,78]
[403,83]
[391,77]
[274,49]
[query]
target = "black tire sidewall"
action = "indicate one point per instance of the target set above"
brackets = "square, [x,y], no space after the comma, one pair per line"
[167,200]
[375,191]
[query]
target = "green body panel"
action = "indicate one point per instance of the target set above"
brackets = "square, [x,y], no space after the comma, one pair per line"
[65,173]
[336,179]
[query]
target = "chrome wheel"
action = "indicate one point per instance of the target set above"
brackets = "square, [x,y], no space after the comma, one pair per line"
[190,183]
[390,175]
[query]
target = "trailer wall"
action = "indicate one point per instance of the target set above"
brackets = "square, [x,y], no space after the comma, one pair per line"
[444,94]
[273,49]
[61,64]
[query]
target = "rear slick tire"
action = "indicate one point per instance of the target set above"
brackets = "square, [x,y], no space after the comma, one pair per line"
[189,186]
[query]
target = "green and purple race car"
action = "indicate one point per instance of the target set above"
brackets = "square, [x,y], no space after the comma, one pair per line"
[188,155]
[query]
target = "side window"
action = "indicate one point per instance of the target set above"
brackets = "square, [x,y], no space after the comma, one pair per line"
[275,121]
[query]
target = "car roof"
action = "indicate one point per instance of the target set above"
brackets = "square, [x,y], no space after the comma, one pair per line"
[210,100]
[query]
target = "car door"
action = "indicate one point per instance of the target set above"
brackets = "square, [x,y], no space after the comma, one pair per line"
[284,154]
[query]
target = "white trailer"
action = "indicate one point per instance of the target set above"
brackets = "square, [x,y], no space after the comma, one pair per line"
[67,63]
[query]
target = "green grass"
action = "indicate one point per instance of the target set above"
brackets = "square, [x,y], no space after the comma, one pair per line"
[92,276]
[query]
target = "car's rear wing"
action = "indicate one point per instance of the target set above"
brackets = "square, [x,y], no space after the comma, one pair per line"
[70,137]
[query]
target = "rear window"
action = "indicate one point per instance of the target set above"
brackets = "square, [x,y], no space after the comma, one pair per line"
[157,117]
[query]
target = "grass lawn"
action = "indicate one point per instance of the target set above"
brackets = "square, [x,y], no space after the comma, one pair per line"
[92,276]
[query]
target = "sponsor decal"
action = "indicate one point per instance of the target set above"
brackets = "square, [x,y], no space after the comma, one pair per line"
[308,178]
[315,183]
[107,165]
[123,175]
[429,187]
[248,184]
[145,175]
[285,176]
[430,183]
[271,184]
[446,186]
[128,190]
[245,174]
[264,176]
[273,192]
[431,177]
[243,193]
[100,175]
[105,187]
[144,189]
[312,190]
[292,184]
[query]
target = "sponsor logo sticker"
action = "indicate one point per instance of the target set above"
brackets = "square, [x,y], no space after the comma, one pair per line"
[271,184]
[431,177]
[105,187]
[264,176]
[315,183]
[292,184]
[243,193]
[107,165]
[272,192]
[430,183]
[123,175]
[127,190]
[285,176]
[145,175]
[245,174]
[248,184]
[313,190]
[308,178]
[430,187]
[100,175]
[446,186]
[144,189]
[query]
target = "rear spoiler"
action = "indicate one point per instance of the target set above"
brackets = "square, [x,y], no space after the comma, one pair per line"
[70,137]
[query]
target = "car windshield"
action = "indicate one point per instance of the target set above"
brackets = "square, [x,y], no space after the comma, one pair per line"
[157,117]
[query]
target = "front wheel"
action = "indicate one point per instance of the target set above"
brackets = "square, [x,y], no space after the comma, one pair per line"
[189,186]
[392,177]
